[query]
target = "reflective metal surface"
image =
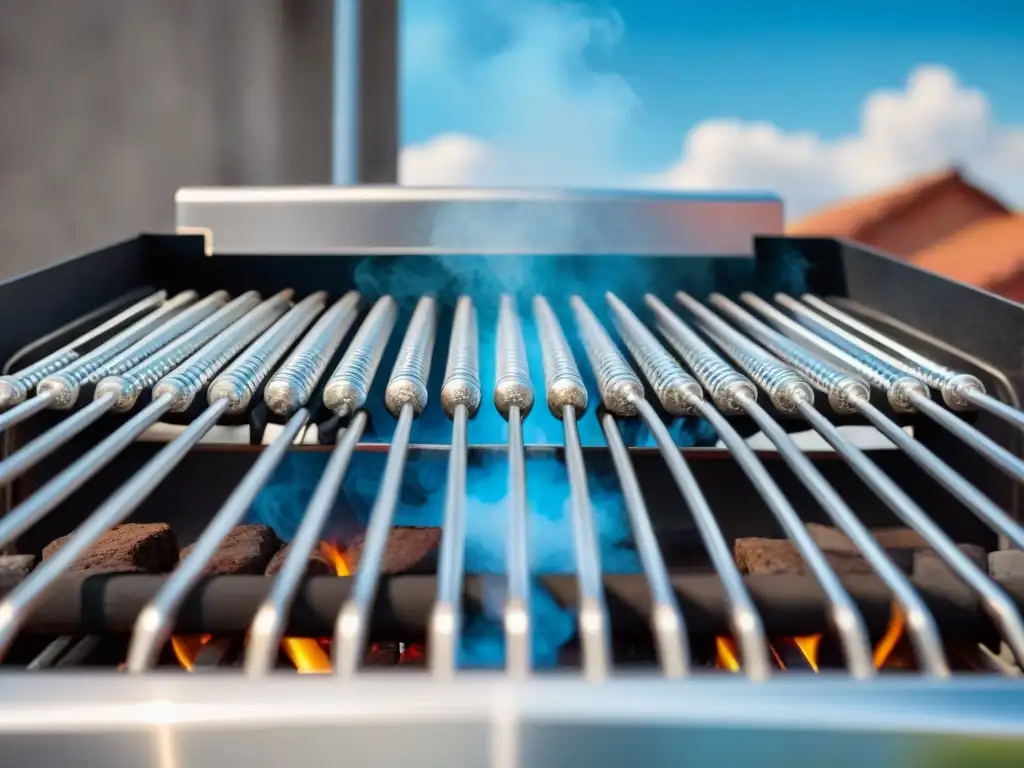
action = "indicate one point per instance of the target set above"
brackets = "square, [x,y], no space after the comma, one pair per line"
[409,220]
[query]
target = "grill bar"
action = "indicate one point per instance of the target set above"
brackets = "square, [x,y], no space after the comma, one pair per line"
[622,394]
[514,398]
[960,391]
[460,398]
[787,604]
[882,365]
[759,363]
[848,624]
[16,387]
[567,399]
[406,396]
[185,346]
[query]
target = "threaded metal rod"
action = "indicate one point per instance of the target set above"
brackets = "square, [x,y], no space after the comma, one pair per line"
[240,381]
[190,377]
[460,398]
[16,387]
[462,372]
[291,387]
[567,399]
[918,397]
[348,387]
[612,371]
[408,382]
[153,626]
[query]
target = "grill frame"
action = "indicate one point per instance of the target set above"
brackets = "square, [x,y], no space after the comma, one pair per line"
[904,301]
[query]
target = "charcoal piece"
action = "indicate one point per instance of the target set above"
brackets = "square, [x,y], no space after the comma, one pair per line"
[407,548]
[128,548]
[1006,564]
[766,556]
[899,538]
[246,549]
[317,564]
[16,566]
[832,539]
[927,562]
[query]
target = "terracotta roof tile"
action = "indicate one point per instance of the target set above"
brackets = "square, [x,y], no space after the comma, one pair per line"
[853,219]
[983,254]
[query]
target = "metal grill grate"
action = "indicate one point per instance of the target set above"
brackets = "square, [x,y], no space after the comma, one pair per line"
[711,359]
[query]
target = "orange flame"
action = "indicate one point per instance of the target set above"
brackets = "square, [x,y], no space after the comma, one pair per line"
[727,657]
[809,645]
[892,636]
[187,647]
[306,654]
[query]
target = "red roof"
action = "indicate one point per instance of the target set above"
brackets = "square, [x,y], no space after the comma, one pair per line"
[984,254]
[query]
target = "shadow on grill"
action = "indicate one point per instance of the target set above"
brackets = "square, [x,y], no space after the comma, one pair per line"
[208,482]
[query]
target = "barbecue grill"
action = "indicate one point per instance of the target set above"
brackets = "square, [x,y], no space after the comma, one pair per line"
[527,477]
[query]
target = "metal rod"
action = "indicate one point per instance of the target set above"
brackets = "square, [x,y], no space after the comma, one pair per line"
[272,616]
[405,396]
[790,604]
[514,399]
[241,380]
[622,395]
[460,398]
[153,628]
[49,655]
[881,363]
[17,386]
[999,606]
[960,390]
[46,499]
[19,601]
[855,397]
[352,628]
[348,387]
[787,389]
[291,387]
[667,625]
[567,399]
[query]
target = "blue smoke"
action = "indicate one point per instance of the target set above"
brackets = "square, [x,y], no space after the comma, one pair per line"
[283,501]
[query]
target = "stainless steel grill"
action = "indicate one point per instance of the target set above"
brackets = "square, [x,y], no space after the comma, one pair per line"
[775,364]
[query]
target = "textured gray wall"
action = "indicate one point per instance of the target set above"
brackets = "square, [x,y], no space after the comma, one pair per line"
[108,106]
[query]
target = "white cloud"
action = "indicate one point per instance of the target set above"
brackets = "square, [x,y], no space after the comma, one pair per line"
[550,119]
[933,123]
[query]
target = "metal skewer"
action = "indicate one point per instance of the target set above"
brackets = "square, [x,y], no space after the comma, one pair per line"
[960,391]
[514,398]
[997,603]
[179,388]
[224,327]
[230,392]
[460,399]
[349,385]
[772,376]
[406,397]
[622,394]
[856,399]
[16,387]
[298,376]
[64,387]
[291,387]
[884,371]
[567,401]
[662,368]
[60,389]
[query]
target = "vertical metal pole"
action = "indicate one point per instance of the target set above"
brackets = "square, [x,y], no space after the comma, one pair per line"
[366,92]
[345,131]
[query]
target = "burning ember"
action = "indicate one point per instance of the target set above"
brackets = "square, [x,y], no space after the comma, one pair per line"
[727,655]
[308,655]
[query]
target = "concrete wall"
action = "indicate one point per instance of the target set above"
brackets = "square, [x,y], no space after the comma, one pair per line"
[108,106]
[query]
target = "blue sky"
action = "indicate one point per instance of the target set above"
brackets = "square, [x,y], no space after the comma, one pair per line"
[802,67]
